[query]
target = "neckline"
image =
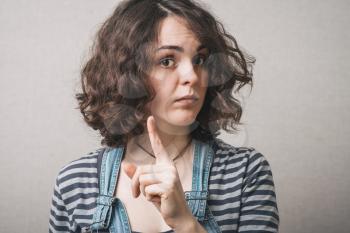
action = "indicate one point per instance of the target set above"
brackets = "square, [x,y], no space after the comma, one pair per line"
[196,153]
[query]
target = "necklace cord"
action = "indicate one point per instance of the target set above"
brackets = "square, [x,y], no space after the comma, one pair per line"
[177,156]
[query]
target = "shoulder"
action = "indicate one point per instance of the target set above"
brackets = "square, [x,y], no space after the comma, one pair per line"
[75,192]
[243,176]
[238,163]
[78,167]
[224,151]
[79,178]
[242,166]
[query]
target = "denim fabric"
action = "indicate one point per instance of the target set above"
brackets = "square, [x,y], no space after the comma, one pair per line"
[111,213]
[110,165]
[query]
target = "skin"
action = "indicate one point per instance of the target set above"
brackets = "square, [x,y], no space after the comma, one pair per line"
[168,126]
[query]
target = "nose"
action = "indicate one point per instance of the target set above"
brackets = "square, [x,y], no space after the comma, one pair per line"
[189,74]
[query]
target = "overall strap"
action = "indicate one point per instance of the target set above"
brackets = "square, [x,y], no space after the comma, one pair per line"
[197,198]
[109,171]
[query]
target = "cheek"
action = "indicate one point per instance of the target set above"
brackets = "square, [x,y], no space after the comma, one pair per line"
[203,86]
[159,101]
[204,79]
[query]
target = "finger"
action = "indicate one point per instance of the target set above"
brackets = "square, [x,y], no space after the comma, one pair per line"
[156,143]
[155,190]
[129,169]
[135,181]
[148,179]
[156,201]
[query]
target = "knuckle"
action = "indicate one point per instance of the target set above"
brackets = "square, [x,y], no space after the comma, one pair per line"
[147,189]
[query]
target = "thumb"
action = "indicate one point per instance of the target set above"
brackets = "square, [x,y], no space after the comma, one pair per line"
[129,169]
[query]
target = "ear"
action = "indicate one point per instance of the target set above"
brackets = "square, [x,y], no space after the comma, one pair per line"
[129,169]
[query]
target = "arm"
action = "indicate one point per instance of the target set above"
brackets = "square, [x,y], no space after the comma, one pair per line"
[191,226]
[59,220]
[259,212]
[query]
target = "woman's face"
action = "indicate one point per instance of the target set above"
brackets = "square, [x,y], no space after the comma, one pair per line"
[178,71]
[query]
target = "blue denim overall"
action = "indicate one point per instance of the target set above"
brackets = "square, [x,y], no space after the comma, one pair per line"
[111,213]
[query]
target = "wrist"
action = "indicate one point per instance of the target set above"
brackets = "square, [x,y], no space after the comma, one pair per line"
[191,225]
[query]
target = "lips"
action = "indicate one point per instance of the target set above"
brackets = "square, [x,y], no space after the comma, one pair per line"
[187,97]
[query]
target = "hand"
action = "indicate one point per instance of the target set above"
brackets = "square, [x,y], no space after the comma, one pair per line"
[160,182]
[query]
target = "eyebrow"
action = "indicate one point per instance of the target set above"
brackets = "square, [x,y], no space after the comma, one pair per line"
[178,48]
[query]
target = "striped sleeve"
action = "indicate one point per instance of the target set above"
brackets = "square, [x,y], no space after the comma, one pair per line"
[74,196]
[59,219]
[258,212]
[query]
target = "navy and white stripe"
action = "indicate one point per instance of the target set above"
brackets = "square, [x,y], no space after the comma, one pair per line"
[241,192]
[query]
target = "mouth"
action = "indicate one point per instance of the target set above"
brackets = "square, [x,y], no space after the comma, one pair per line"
[187,101]
[187,98]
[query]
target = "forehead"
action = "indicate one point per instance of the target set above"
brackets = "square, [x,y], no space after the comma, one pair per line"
[174,31]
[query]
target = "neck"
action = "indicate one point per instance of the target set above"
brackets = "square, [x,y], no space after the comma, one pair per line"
[172,143]
[173,140]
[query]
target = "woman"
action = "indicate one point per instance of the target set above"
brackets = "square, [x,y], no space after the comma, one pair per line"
[158,87]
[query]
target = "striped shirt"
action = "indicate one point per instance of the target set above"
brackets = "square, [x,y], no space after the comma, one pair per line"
[241,192]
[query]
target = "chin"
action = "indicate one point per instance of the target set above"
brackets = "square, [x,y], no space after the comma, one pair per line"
[186,125]
[176,119]
[183,121]
[183,118]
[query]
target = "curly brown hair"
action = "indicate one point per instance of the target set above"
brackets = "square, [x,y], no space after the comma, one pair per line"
[115,86]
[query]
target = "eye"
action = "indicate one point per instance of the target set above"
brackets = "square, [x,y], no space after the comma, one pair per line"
[199,59]
[167,62]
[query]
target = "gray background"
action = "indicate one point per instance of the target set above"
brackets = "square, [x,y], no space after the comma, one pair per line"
[297,114]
